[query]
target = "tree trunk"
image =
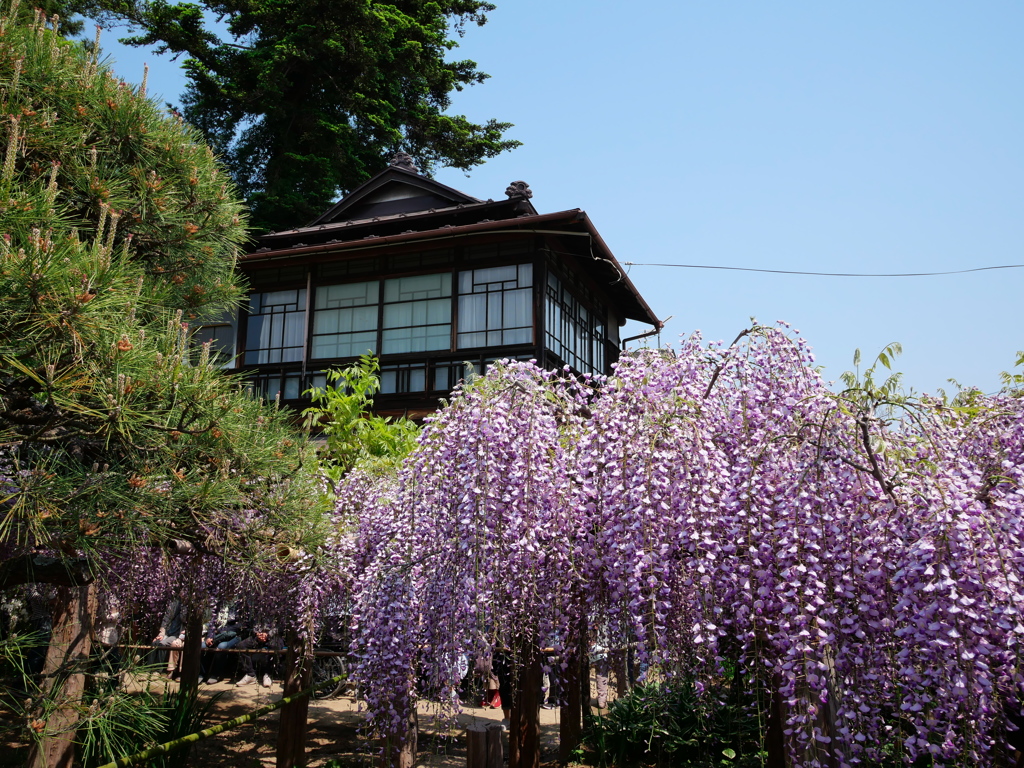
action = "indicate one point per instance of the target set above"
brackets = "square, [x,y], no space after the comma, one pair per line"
[191,652]
[291,738]
[824,719]
[570,727]
[524,728]
[64,676]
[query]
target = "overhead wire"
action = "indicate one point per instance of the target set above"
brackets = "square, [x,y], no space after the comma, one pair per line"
[824,274]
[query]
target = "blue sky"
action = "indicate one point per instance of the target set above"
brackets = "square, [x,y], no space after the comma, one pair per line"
[826,137]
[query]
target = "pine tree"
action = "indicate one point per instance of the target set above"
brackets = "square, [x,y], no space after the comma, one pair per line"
[118,232]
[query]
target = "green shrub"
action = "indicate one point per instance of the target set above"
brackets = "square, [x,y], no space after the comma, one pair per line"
[118,724]
[122,724]
[672,724]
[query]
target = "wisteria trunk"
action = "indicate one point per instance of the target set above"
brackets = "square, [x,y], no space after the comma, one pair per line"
[400,748]
[64,675]
[291,739]
[584,673]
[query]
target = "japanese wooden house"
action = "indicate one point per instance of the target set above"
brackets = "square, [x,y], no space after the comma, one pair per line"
[429,280]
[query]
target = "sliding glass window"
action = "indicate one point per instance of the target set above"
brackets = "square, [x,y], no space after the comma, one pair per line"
[345,320]
[411,377]
[574,333]
[220,335]
[495,306]
[274,386]
[276,327]
[417,314]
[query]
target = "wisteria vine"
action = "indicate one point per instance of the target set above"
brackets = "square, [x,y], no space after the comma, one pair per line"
[858,554]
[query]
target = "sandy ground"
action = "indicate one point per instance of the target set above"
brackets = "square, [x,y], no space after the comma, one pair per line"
[333,731]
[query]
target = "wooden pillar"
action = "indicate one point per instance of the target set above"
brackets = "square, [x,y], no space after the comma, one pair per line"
[64,675]
[483,746]
[495,752]
[191,651]
[476,746]
[570,726]
[524,730]
[291,736]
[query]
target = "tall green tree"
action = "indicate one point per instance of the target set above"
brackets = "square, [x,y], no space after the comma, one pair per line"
[117,230]
[305,99]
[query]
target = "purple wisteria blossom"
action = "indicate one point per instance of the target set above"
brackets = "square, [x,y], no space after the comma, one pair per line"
[858,556]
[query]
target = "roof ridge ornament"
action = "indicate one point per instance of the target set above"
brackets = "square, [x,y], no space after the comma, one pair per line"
[519,189]
[404,161]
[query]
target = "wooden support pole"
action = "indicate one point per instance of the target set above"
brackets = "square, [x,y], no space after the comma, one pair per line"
[570,726]
[524,731]
[291,738]
[495,752]
[476,746]
[191,651]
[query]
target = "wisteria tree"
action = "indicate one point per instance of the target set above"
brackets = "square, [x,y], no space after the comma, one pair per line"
[470,547]
[854,557]
[313,581]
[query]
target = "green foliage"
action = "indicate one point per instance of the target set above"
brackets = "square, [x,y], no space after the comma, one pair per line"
[888,389]
[96,162]
[14,650]
[1014,382]
[305,98]
[62,11]
[186,714]
[118,228]
[342,412]
[671,724]
[122,724]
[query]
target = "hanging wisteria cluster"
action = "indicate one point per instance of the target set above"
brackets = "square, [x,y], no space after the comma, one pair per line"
[473,546]
[857,556]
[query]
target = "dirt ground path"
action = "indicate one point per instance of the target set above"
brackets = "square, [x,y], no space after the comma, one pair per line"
[333,731]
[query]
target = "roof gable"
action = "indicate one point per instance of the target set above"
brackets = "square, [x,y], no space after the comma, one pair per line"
[394,190]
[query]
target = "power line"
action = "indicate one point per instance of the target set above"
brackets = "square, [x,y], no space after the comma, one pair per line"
[825,274]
